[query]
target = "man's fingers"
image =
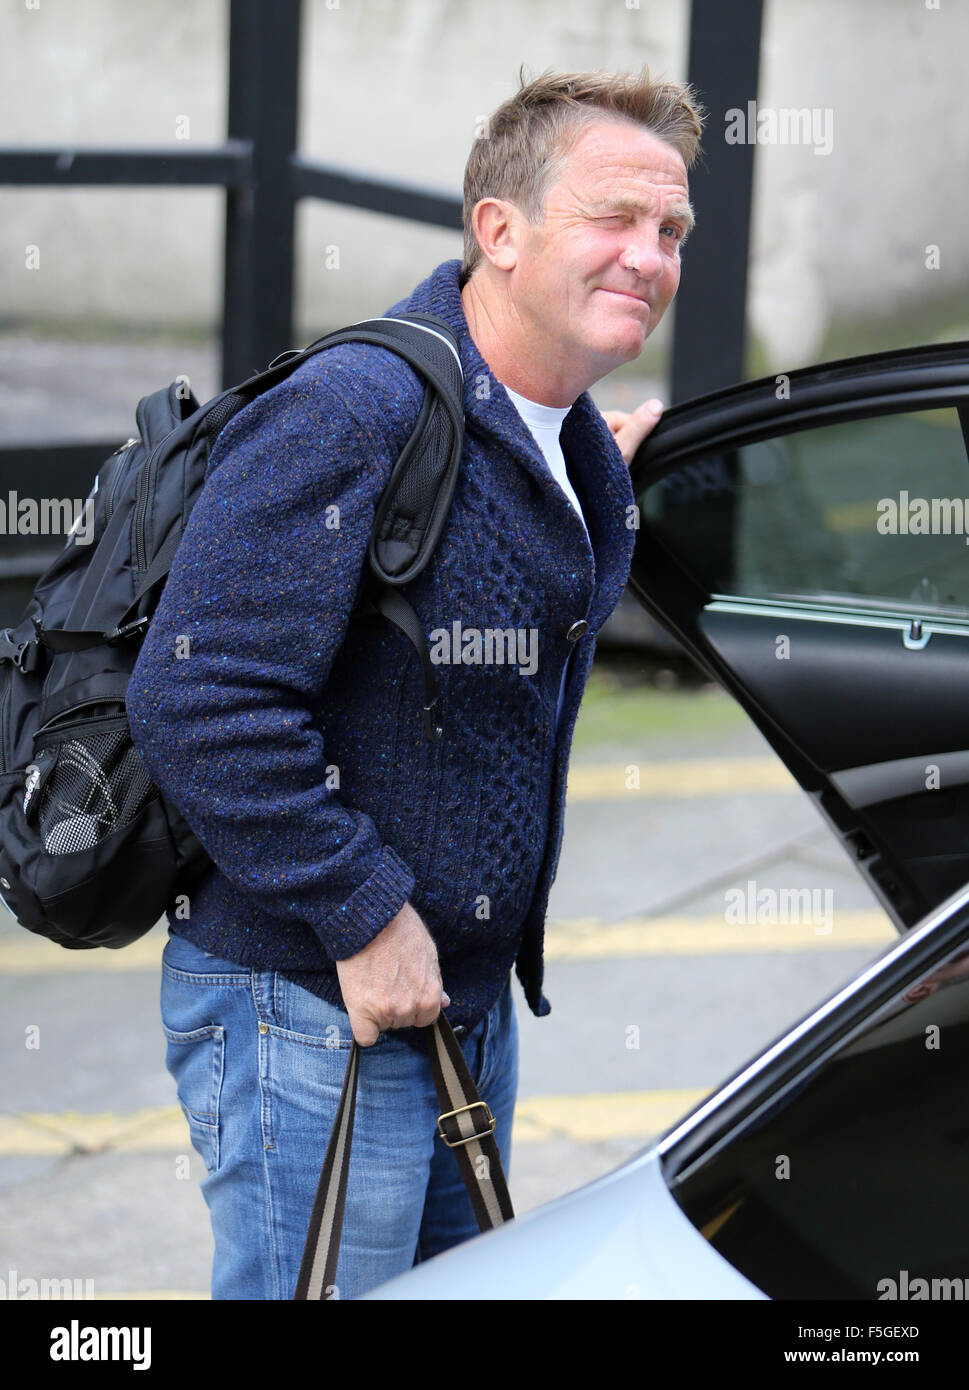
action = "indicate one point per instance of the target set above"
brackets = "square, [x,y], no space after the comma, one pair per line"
[365,1030]
[637,427]
[630,430]
[424,1014]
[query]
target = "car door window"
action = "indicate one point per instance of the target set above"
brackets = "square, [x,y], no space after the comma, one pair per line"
[871,512]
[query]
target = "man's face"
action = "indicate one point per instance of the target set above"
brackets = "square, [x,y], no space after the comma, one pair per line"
[593,280]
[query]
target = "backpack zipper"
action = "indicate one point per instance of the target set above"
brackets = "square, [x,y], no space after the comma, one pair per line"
[145,483]
[4,701]
[116,482]
[61,720]
[52,733]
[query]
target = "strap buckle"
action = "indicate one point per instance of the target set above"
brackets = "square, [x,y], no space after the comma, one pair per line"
[23,655]
[136,626]
[461,1110]
[433,719]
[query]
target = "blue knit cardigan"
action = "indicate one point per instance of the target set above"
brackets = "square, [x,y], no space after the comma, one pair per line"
[287,729]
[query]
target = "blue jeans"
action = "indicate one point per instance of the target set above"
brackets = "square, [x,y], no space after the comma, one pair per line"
[259,1064]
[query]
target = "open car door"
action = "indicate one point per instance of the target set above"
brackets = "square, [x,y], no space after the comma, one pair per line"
[806,539]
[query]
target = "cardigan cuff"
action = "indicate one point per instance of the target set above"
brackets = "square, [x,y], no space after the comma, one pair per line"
[371,907]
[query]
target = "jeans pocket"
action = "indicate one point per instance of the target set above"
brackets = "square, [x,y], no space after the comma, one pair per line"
[303,1017]
[196,1062]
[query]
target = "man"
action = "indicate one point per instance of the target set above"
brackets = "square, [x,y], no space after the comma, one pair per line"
[364,878]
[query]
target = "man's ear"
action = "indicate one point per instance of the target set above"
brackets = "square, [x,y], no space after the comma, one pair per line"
[496,225]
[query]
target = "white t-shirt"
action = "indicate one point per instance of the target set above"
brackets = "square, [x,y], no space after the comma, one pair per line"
[545,423]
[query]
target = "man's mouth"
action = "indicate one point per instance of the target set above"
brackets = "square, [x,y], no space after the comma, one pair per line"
[625,294]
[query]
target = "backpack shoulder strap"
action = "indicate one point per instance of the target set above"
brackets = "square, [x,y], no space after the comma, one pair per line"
[414,506]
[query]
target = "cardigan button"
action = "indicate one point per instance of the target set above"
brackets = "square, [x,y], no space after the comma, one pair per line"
[577,630]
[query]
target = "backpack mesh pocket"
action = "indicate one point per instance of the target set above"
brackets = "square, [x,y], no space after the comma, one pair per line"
[97,786]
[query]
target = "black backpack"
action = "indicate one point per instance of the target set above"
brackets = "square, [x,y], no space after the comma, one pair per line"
[91,852]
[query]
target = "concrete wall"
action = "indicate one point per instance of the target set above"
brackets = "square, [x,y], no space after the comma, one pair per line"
[396,86]
[843,236]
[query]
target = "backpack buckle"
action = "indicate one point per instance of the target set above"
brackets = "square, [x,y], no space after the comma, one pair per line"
[136,626]
[27,654]
[434,722]
[23,655]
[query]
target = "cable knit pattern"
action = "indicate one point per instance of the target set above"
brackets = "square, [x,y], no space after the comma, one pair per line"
[290,733]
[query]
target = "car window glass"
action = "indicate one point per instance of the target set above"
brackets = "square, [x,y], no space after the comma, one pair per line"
[851,1184]
[872,512]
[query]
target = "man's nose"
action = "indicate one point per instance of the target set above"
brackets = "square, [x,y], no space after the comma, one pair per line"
[643,256]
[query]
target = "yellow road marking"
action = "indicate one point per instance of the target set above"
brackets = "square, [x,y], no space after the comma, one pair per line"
[71,1131]
[851,517]
[584,1119]
[25,954]
[585,938]
[589,1119]
[699,777]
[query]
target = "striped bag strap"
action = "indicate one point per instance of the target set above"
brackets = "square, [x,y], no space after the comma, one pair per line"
[465,1124]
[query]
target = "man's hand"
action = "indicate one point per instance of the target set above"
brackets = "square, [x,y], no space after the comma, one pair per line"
[395,981]
[630,430]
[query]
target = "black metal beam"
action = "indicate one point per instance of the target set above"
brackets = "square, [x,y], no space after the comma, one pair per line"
[19,563]
[433,207]
[50,466]
[710,306]
[264,42]
[54,470]
[229,165]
